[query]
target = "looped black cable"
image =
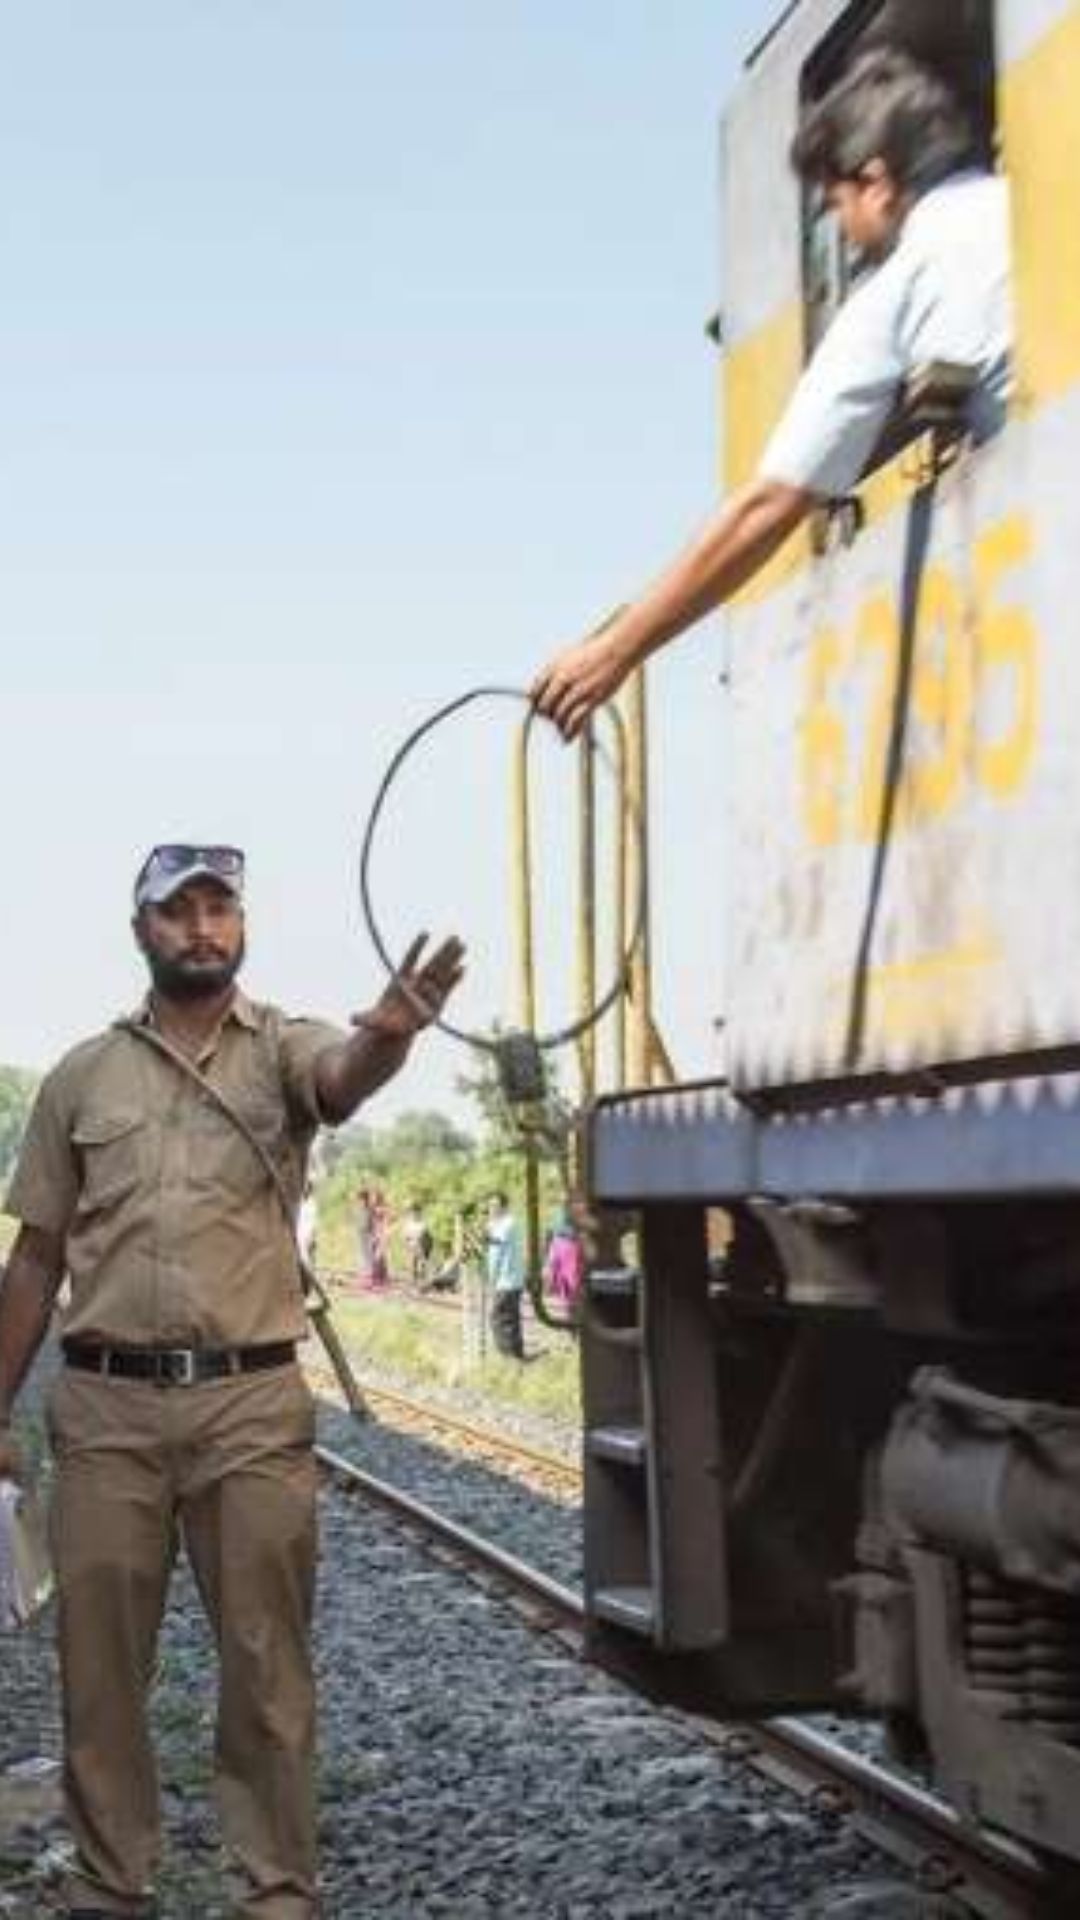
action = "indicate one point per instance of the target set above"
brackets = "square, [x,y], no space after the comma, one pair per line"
[493,1043]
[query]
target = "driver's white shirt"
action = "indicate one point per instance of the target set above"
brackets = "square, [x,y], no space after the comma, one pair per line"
[942,294]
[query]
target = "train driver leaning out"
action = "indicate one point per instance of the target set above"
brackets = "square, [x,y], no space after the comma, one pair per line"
[896,157]
[145,1174]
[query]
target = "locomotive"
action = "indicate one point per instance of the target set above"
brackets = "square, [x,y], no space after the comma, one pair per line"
[832,1406]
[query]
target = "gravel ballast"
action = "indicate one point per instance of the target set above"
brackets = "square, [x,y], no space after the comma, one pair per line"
[544,1531]
[469,1768]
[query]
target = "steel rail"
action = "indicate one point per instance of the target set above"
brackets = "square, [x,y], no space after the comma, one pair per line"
[991,1875]
[481,1437]
[988,1871]
[529,1581]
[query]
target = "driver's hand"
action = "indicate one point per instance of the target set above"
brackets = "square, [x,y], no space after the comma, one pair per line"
[577,681]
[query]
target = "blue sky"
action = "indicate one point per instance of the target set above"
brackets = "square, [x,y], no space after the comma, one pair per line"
[352,356]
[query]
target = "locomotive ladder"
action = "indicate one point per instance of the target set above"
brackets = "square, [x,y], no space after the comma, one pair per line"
[654,1535]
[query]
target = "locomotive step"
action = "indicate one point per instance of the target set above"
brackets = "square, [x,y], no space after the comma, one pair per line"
[614,1283]
[625,1445]
[631,1607]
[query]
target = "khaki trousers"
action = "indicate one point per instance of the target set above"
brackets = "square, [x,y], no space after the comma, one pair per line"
[228,1466]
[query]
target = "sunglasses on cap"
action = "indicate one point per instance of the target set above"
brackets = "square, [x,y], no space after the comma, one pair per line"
[167,868]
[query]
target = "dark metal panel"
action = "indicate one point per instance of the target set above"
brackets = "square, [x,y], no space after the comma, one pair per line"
[682,1420]
[675,1147]
[1022,1137]
[962,1145]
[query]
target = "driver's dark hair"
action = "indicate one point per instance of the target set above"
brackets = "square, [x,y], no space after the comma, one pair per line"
[885,106]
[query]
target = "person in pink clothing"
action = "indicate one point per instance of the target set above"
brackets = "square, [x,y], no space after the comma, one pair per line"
[564,1264]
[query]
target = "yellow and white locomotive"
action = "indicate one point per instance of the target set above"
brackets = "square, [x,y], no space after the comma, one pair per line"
[841,1465]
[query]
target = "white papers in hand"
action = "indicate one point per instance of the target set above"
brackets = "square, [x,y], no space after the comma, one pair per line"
[25,1574]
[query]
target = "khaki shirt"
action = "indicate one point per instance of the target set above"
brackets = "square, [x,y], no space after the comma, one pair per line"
[174,1235]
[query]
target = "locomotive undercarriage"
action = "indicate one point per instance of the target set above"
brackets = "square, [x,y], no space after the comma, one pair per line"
[960,1623]
[862,1478]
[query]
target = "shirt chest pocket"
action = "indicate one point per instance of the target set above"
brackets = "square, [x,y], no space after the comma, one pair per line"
[221,1156]
[111,1149]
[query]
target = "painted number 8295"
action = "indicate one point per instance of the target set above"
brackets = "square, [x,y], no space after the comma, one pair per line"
[974,699]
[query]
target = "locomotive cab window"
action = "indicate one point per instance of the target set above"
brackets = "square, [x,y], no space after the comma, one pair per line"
[955,42]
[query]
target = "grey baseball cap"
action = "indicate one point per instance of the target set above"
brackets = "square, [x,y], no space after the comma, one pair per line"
[169,867]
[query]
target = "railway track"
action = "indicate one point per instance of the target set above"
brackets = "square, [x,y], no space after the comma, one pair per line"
[989,1875]
[549,1472]
[344,1282]
[546,1472]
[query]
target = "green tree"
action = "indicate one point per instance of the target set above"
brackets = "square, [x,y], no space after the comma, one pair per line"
[423,1136]
[16,1095]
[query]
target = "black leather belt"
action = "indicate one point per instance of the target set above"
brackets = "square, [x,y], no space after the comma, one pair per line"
[177,1366]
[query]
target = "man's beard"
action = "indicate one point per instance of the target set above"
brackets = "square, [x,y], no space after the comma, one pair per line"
[185,979]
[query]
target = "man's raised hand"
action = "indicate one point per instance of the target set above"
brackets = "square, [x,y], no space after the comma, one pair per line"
[417,993]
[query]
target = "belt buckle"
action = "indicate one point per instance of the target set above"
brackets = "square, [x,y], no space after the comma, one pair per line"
[178,1367]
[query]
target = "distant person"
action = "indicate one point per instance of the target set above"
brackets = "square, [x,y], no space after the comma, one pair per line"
[564,1261]
[505,1264]
[180,1411]
[371,1263]
[446,1277]
[419,1244]
[381,1222]
[363,1236]
[896,157]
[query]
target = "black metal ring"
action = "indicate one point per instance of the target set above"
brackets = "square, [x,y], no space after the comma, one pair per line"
[577,1027]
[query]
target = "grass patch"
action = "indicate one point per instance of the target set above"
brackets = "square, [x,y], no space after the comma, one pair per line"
[423,1345]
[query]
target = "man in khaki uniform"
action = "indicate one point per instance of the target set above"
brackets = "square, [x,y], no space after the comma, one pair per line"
[181,1410]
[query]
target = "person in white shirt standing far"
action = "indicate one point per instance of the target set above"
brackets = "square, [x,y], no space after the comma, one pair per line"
[896,157]
[506,1277]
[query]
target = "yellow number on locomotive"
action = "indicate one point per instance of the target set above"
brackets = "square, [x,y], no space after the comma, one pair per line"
[972,649]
